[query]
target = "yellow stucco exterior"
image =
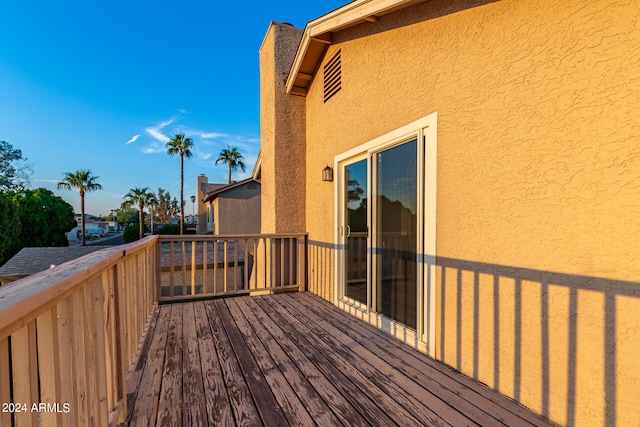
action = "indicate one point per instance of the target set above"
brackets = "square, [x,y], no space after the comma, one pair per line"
[538,187]
[281,133]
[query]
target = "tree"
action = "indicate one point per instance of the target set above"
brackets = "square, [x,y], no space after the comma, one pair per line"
[10,227]
[193,207]
[127,214]
[182,146]
[84,181]
[232,158]
[142,197]
[45,218]
[14,173]
[167,208]
[153,202]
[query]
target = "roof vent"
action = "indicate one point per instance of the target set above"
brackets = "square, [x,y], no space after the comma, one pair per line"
[332,76]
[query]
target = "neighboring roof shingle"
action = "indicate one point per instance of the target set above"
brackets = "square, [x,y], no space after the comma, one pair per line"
[212,194]
[34,260]
[208,188]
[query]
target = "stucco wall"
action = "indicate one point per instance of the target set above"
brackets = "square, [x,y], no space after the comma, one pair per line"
[238,210]
[538,187]
[203,208]
[282,135]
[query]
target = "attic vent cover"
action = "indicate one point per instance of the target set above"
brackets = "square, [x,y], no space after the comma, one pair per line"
[332,77]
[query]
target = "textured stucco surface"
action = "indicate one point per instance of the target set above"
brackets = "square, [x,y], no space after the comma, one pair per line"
[282,135]
[538,187]
[238,210]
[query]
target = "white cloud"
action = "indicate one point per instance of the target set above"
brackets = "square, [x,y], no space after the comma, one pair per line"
[202,155]
[167,123]
[155,131]
[212,135]
[54,181]
[153,148]
[134,138]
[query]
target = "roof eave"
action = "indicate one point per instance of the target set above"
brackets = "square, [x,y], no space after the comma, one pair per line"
[257,167]
[321,30]
[212,195]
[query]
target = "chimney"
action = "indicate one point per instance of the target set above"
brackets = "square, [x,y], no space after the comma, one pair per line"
[282,134]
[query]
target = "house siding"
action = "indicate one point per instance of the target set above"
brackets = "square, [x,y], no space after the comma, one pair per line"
[538,187]
[238,210]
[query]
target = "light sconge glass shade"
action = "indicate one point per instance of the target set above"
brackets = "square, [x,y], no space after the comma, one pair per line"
[327,174]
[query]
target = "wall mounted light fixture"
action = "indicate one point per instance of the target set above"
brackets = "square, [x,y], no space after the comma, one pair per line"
[327,174]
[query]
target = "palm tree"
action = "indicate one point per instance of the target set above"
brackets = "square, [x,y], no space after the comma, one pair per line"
[233,159]
[84,181]
[193,207]
[153,202]
[142,197]
[180,145]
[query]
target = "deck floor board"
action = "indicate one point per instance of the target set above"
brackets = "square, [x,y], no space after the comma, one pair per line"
[294,359]
[219,411]
[424,370]
[339,405]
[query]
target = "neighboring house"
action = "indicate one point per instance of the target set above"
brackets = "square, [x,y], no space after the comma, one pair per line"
[89,222]
[485,200]
[228,208]
[34,260]
[78,218]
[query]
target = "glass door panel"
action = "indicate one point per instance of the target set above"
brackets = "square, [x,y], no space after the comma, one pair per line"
[395,233]
[356,232]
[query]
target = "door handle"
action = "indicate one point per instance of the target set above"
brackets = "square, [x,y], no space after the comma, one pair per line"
[348,230]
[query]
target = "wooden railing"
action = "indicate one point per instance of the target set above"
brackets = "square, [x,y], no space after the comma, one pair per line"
[357,257]
[70,336]
[204,266]
[67,336]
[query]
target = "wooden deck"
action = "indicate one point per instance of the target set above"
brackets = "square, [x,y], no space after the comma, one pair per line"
[294,359]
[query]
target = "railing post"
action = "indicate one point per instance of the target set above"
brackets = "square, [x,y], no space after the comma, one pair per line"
[119,347]
[302,263]
[184,267]
[193,267]
[205,266]
[5,385]
[158,279]
[25,372]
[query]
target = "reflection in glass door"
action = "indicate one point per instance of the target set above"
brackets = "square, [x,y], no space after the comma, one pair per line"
[356,234]
[386,229]
[395,233]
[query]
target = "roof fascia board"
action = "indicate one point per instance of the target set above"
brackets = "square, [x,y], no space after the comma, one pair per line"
[297,61]
[257,167]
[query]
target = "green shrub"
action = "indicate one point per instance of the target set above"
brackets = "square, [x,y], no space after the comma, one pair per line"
[169,229]
[10,228]
[132,232]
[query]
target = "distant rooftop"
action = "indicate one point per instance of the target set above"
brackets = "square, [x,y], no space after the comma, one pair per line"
[210,187]
[34,260]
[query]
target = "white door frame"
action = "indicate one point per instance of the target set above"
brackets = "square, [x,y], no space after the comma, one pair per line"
[425,130]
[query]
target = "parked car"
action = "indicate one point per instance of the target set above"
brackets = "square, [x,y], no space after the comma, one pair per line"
[94,233]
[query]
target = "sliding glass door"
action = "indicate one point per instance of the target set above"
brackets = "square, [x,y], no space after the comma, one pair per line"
[386,230]
[356,236]
[395,233]
[379,231]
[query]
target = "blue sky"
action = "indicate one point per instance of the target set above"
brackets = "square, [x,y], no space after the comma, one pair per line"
[101,85]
